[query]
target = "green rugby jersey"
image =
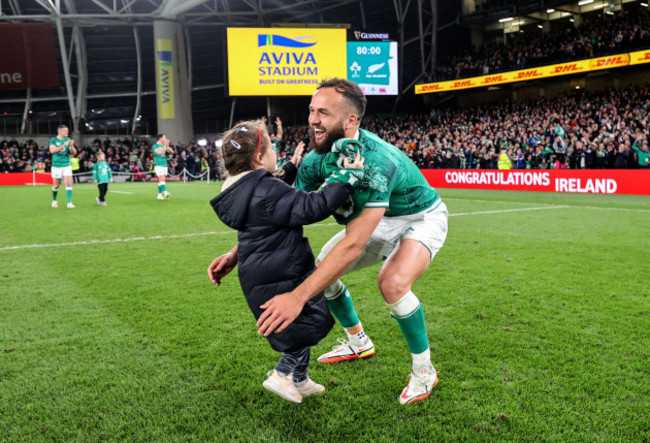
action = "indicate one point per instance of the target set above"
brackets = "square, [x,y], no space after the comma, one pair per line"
[102,172]
[159,160]
[60,159]
[392,180]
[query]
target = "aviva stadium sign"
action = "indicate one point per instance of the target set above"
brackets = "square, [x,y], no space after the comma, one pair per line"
[278,61]
[574,67]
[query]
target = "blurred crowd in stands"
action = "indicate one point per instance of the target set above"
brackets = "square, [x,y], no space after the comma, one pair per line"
[580,130]
[598,34]
[127,155]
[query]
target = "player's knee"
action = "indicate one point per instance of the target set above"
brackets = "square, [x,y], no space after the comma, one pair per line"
[393,286]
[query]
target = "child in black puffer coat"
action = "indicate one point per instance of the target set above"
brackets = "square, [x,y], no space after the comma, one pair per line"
[272,254]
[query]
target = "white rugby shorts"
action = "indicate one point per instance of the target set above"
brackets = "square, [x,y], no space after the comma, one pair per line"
[65,171]
[160,170]
[429,227]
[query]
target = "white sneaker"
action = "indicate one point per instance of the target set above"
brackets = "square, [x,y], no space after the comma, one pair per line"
[420,385]
[103,203]
[160,197]
[347,351]
[310,388]
[99,202]
[55,204]
[166,195]
[71,206]
[282,386]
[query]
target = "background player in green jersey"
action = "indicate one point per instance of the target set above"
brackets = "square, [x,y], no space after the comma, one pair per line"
[160,150]
[403,221]
[61,147]
[102,175]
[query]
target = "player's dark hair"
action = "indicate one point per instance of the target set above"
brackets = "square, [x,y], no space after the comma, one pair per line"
[350,90]
[61,127]
[159,136]
[240,145]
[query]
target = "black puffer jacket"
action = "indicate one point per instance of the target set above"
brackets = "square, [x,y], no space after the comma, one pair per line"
[273,255]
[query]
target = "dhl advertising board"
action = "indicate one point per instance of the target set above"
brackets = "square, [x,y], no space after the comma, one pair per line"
[640,57]
[280,61]
[575,67]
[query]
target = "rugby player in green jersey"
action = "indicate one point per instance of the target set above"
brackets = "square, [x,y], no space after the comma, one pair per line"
[160,150]
[61,147]
[395,216]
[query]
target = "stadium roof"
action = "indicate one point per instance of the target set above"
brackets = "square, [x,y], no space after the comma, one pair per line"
[109,48]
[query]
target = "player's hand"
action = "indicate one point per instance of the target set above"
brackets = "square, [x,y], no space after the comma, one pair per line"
[278,121]
[278,313]
[95,181]
[296,158]
[221,266]
[357,164]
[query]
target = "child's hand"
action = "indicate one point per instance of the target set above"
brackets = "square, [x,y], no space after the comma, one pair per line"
[296,158]
[357,164]
[221,266]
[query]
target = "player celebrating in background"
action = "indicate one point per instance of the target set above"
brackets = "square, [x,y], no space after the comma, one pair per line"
[160,150]
[102,175]
[61,147]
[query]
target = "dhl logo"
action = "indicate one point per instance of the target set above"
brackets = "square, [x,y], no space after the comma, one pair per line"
[529,74]
[494,79]
[462,84]
[646,56]
[609,61]
[432,87]
[566,68]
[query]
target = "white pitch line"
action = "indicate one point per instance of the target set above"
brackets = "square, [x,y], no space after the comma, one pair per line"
[121,192]
[508,210]
[164,237]
[602,208]
[116,240]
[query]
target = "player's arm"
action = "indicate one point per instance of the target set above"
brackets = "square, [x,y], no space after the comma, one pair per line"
[282,309]
[160,151]
[73,150]
[222,266]
[54,148]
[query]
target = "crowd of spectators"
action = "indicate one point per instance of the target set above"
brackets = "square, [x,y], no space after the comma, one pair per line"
[579,130]
[598,34]
[128,155]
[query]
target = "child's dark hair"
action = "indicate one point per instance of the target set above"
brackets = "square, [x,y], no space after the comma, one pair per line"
[240,145]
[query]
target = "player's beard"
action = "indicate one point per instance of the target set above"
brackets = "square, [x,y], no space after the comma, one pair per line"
[332,135]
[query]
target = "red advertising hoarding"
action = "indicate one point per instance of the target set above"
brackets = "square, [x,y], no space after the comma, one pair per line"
[28,56]
[25,178]
[596,181]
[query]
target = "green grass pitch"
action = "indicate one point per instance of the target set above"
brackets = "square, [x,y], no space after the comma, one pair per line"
[537,309]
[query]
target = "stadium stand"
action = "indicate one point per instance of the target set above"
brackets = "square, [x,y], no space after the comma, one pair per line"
[581,130]
[598,34]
